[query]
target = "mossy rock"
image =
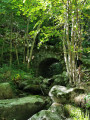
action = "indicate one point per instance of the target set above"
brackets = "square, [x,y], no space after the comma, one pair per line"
[6,91]
[55,112]
[34,89]
[62,94]
[21,108]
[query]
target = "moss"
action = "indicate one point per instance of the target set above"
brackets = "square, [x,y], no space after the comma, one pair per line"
[75,112]
[6,91]
[21,108]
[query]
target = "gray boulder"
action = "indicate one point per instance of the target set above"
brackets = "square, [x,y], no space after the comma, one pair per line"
[6,91]
[82,100]
[21,108]
[61,94]
[55,112]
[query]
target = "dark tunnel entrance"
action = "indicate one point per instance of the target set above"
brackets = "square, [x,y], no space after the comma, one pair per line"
[49,67]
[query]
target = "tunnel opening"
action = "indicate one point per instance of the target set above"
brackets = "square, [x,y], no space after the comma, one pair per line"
[49,67]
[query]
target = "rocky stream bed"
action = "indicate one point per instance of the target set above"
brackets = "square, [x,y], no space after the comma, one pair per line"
[57,105]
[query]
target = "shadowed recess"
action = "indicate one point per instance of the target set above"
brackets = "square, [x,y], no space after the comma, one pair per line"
[49,67]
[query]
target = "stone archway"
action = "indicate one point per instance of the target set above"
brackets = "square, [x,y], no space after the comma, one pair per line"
[46,67]
[44,58]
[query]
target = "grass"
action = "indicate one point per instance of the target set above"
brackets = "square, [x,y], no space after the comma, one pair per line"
[76,113]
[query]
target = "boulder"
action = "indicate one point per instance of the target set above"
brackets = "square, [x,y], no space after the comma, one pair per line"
[87,99]
[21,108]
[6,91]
[62,94]
[86,86]
[55,112]
[82,100]
[34,89]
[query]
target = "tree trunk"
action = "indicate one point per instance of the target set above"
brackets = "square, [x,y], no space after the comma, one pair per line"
[31,50]
[27,56]
[17,54]
[72,43]
[11,41]
[68,40]
[24,54]
[1,59]
[65,53]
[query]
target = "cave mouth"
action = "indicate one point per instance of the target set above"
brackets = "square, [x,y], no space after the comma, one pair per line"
[48,67]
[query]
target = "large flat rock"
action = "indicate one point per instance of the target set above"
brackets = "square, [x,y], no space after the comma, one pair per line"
[21,108]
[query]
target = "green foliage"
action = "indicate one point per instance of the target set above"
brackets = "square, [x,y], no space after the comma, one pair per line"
[87,98]
[50,16]
[76,113]
[16,77]
[61,79]
[10,74]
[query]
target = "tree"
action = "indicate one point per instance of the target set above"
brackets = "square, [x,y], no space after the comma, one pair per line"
[49,19]
[68,14]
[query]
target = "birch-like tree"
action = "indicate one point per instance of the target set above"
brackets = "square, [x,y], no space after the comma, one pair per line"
[68,14]
[72,40]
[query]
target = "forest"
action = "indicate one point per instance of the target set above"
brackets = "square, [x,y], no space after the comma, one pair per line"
[44,59]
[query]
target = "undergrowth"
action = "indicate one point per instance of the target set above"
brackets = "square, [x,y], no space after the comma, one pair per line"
[10,74]
[77,113]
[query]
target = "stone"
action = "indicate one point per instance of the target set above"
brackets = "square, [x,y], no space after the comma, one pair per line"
[55,112]
[86,86]
[21,108]
[82,100]
[87,99]
[62,94]
[34,89]
[6,91]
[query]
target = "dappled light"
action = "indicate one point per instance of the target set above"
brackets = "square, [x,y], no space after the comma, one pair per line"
[44,60]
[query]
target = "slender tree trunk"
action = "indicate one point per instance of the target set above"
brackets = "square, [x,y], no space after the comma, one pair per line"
[11,41]
[31,50]
[17,54]
[16,49]
[79,39]
[65,52]
[72,43]
[27,56]
[24,54]
[73,40]
[2,53]
[68,40]
[30,55]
